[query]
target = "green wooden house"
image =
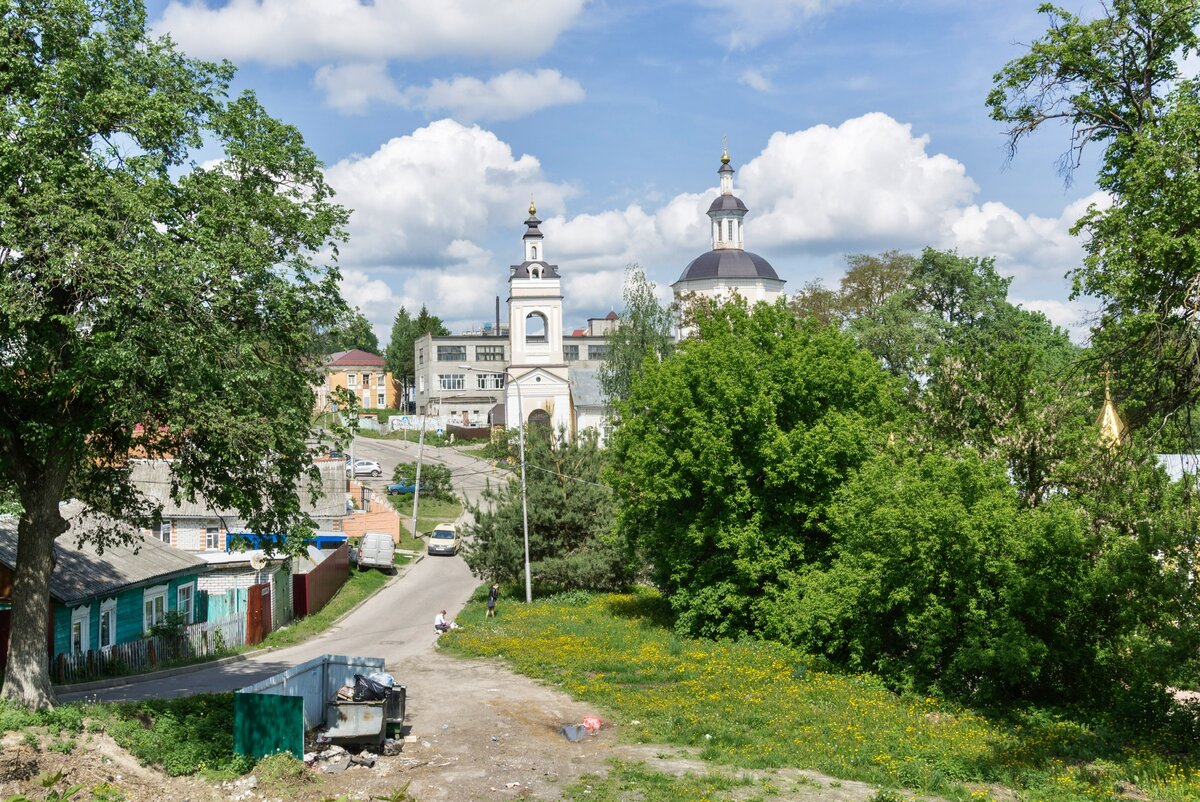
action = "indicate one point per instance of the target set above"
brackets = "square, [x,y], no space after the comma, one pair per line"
[101,600]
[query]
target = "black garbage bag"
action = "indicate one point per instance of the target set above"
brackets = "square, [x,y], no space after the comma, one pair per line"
[368,690]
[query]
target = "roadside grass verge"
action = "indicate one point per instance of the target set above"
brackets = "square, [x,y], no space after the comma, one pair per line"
[433,511]
[754,704]
[626,781]
[185,736]
[359,586]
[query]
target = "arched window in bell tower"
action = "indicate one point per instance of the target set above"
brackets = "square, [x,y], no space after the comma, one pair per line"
[533,253]
[535,328]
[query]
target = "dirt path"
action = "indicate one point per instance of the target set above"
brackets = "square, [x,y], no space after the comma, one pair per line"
[479,732]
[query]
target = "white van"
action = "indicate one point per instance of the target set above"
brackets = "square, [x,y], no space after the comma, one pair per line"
[376,550]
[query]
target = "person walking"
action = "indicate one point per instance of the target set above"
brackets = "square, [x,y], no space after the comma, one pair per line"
[493,594]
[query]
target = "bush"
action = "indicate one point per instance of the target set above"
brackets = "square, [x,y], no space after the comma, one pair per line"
[435,478]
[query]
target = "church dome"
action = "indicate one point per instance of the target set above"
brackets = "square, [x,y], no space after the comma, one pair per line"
[727,203]
[729,263]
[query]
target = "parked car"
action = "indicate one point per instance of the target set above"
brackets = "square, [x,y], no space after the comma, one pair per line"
[443,540]
[376,550]
[404,486]
[366,467]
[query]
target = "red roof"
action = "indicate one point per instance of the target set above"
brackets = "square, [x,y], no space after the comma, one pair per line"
[355,358]
[612,315]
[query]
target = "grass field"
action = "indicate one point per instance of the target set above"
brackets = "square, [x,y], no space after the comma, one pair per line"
[760,705]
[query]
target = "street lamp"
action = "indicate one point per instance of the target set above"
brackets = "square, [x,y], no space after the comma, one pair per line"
[524,500]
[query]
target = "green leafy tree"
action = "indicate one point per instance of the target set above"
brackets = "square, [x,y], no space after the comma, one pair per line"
[940,578]
[729,452]
[147,305]
[871,280]
[352,331]
[400,355]
[816,301]
[646,331]
[1116,81]
[435,478]
[571,515]
[1011,390]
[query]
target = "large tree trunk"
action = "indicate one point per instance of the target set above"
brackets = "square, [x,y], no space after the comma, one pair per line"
[27,677]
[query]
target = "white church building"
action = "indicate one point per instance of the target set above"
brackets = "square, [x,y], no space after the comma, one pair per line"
[537,372]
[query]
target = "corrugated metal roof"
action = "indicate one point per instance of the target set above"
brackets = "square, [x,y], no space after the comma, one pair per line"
[585,388]
[153,479]
[80,573]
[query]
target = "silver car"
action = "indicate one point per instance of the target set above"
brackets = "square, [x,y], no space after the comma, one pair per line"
[366,467]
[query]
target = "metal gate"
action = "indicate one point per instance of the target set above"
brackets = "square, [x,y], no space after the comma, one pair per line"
[258,613]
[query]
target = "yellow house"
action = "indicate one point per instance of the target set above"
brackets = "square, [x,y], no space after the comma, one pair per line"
[364,374]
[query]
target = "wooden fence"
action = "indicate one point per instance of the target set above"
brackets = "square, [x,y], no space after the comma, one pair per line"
[197,641]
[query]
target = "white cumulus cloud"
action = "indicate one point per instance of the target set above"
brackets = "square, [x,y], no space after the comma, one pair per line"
[507,96]
[429,197]
[322,31]
[438,218]
[351,88]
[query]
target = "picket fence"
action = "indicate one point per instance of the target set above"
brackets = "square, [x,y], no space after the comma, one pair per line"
[197,641]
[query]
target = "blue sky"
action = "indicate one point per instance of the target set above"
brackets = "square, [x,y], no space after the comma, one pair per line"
[855,126]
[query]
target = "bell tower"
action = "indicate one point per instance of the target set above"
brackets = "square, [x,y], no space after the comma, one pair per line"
[537,373]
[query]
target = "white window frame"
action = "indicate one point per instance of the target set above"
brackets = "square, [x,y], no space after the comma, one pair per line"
[451,381]
[489,381]
[379,379]
[366,398]
[186,593]
[149,596]
[420,384]
[108,609]
[80,636]
[351,381]
[381,399]
[212,545]
[164,532]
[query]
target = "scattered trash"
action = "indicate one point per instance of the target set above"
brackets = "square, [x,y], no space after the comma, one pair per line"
[636,723]
[574,732]
[367,760]
[426,744]
[591,723]
[368,690]
[410,739]
[338,767]
[707,737]
[495,740]
[445,725]
[512,785]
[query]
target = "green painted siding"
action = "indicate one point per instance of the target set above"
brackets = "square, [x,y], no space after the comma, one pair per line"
[129,615]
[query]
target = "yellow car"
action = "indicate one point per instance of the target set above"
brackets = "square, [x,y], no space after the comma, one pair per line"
[443,540]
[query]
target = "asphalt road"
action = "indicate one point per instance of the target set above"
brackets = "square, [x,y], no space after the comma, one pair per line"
[395,624]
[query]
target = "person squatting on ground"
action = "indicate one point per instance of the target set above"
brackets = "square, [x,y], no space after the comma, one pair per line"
[493,594]
[440,624]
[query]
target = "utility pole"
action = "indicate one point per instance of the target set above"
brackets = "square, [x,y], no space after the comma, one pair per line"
[417,481]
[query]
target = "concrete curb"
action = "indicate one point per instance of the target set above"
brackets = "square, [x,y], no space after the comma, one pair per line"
[136,679]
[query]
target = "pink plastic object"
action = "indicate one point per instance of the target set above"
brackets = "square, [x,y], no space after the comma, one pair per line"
[591,723]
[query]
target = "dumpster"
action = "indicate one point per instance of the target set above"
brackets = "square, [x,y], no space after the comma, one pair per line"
[273,715]
[350,722]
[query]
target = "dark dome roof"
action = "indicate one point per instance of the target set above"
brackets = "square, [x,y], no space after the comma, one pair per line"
[724,203]
[729,263]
